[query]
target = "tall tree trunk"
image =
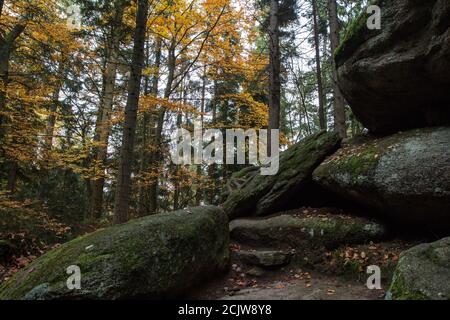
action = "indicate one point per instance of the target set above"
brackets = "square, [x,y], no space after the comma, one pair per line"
[213,169]
[147,205]
[50,130]
[103,128]
[199,192]
[5,53]
[339,102]
[176,169]
[1,7]
[7,47]
[274,68]
[51,120]
[129,130]
[12,177]
[157,155]
[322,119]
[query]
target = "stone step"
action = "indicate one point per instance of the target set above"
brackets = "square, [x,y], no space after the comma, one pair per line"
[264,259]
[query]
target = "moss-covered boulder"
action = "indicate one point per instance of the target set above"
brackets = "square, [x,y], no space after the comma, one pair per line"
[397,78]
[307,232]
[423,273]
[255,195]
[160,256]
[404,177]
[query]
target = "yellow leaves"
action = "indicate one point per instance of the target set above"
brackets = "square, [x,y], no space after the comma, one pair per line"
[152,103]
[251,113]
[150,71]
[8,203]
[39,36]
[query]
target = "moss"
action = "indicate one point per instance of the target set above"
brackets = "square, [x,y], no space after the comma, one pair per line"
[357,161]
[269,194]
[354,34]
[400,291]
[152,255]
[305,233]
[353,166]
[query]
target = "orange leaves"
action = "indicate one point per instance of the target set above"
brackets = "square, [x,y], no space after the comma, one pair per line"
[256,114]
[152,103]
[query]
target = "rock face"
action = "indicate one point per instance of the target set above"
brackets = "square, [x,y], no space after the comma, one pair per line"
[155,257]
[262,195]
[304,232]
[406,176]
[265,258]
[398,77]
[423,272]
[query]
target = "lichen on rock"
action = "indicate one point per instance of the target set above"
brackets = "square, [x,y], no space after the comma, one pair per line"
[403,177]
[423,273]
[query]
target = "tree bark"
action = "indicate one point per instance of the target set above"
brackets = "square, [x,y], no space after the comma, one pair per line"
[1,7]
[322,119]
[176,181]
[7,47]
[123,190]
[274,68]
[199,192]
[340,125]
[103,127]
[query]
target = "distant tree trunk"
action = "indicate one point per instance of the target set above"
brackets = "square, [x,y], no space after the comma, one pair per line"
[50,130]
[176,182]
[7,47]
[199,191]
[274,68]
[103,127]
[322,119]
[129,130]
[5,54]
[105,109]
[340,125]
[145,206]
[213,168]
[157,155]
[51,120]
[1,7]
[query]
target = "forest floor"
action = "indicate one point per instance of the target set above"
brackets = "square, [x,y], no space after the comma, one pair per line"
[288,284]
[335,275]
[292,282]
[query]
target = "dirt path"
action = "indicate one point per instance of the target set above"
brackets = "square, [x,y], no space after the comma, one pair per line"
[319,288]
[285,284]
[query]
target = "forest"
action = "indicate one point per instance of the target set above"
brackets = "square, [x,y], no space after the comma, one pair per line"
[95,96]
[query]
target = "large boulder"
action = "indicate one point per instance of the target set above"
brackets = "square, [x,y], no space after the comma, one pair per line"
[305,232]
[160,256]
[398,77]
[423,272]
[404,177]
[259,195]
